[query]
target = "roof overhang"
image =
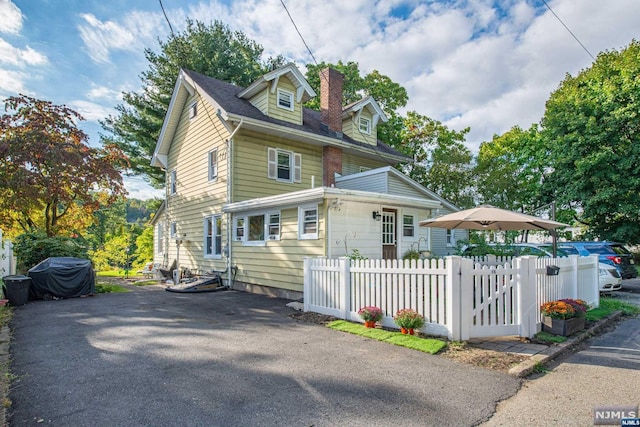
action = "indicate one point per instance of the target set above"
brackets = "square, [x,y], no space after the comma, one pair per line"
[319,194]
[371,105]
[184,88]
[312,138]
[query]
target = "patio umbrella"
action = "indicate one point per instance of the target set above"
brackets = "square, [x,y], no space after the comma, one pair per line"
[486,217]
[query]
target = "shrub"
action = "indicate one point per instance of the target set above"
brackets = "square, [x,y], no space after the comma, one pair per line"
[33,247]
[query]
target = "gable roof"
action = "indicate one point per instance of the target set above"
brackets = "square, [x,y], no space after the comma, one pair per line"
[225,98]
[304,92]
[368,103]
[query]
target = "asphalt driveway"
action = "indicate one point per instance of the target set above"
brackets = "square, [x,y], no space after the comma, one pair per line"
[226,359]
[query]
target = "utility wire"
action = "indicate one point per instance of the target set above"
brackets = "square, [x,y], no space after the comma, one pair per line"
[296,27]
[567,28]
[166,17]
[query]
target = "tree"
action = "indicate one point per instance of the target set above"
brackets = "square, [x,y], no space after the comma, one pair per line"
[213,50]
[592,123]
[441,161]
[387,93]
[511,170]
[48,173]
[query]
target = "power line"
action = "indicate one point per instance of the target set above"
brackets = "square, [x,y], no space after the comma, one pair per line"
[296,27]
[567,28]
[166,17]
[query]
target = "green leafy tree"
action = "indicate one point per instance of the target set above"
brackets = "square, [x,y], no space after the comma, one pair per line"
[592,122]
[35,246]
[441,161]
[387,93]
[144,247]
[213,50]
[49,175]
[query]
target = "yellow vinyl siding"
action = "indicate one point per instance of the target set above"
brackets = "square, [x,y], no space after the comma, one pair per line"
[250,166]
[261,101]
[280,113]
[279,263]
[196,196]
[350,127]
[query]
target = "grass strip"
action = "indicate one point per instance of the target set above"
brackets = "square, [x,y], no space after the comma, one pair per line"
[426,345]
[609,305]
[550,338]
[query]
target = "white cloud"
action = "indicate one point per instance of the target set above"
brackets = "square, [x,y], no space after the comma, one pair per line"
[12,82]
[90,110]
[105,93]
[10,17]
[136,31]
[140,189]
[20,57]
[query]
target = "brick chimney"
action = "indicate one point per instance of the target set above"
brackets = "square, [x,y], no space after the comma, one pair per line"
[331,82]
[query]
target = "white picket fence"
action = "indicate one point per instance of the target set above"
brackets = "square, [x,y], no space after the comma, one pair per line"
[459,299]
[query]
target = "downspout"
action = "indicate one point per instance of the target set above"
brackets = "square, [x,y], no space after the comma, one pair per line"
[230,273]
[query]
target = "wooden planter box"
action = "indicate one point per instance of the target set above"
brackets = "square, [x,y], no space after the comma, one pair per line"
[564,327]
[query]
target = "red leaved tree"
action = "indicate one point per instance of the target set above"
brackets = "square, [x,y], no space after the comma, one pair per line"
[48,172]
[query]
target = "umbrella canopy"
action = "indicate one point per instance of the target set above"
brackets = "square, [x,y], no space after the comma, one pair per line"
[487,217]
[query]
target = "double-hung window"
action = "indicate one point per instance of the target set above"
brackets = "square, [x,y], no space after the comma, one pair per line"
[451,240]
[256,229]
[160,237]
[193,110]
[408,227]
[173,182]
[213,236]
[365,125]
[307,222]
[174,229]
[213,165]
[283,165]
[285,99]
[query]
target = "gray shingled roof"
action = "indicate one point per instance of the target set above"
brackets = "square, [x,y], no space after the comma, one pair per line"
[226,94]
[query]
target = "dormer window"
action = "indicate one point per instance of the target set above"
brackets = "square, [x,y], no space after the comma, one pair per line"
[285,99]
[193,110]
[365,125]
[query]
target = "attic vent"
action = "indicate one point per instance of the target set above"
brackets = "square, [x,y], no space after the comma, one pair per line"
[285,99]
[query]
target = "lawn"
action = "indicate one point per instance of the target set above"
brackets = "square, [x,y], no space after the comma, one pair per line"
[427,345]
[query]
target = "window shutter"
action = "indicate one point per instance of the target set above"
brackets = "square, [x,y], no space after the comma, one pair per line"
[272,166]
[297,167]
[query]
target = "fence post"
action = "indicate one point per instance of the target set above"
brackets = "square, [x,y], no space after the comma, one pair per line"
[452,290]
[306,287]
[345,287]
[527,300]
[574,277]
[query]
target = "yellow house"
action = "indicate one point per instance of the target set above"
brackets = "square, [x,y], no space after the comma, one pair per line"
[256,182]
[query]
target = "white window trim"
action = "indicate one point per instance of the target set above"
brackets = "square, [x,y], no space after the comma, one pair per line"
[160,247]
[268,237]
[291,99]
[295,165]
[301,234]
[173,183]
[413,225]
[193,110]
[211,153]
[367,122]
[450,237]
[212,219]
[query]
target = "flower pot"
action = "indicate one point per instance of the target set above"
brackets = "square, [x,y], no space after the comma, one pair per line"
[411,332]
[564,327]
[405,331]
[370,323]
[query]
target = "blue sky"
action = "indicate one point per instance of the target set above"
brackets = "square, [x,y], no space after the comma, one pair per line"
[487,65]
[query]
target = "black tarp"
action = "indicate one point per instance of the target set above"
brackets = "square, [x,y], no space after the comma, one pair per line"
[62,277]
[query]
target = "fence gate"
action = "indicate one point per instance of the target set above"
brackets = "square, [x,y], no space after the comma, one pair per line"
[494,301]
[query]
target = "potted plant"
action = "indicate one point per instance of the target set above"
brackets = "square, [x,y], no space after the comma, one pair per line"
[370,315]
[564,317]
[408,320]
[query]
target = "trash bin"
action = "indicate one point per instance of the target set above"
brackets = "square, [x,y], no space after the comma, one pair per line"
[17,289]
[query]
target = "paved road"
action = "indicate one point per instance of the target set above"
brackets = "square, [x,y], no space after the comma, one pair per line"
[226,359]
[606,372]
